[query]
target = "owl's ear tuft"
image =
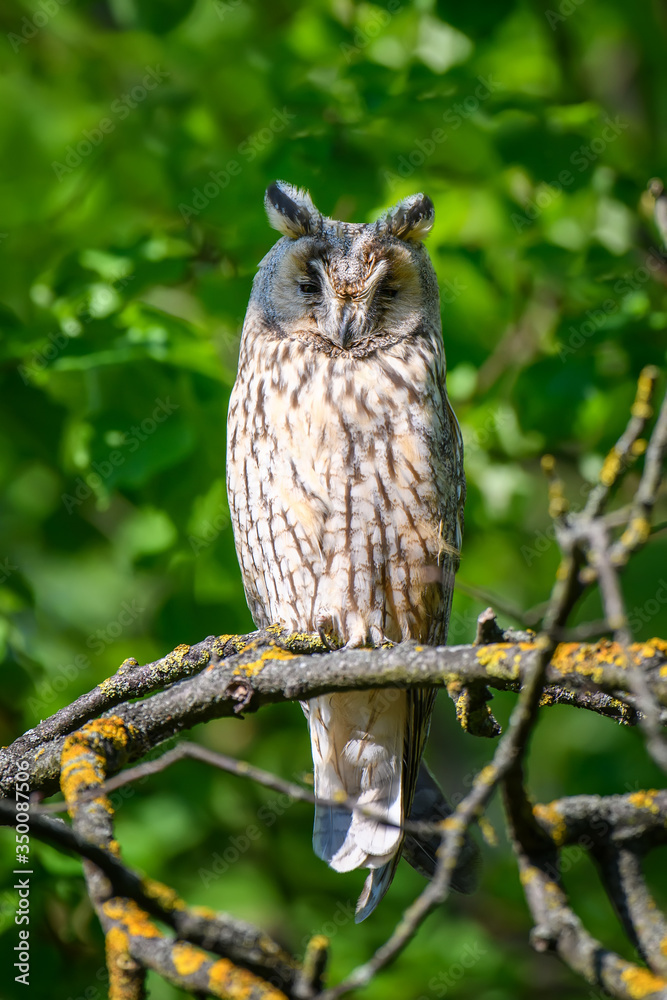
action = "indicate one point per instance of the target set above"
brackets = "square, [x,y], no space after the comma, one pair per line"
[290,210]
[412,219]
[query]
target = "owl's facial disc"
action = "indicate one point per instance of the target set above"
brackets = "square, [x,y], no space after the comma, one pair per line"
[347,292]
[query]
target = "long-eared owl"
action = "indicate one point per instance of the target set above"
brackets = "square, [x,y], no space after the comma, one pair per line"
[346,489]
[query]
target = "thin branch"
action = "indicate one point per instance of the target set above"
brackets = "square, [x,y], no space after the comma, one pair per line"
[134,681]
[226,936]
[637,820]
[242,769]
[639,525]
[614,605]
[625,451]
[644,924]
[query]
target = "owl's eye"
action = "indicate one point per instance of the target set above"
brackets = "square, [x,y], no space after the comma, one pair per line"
[309,287]
[391,293]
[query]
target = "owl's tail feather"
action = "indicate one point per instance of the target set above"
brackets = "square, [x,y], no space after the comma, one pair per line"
[357,740]
[429,806]
[375,886]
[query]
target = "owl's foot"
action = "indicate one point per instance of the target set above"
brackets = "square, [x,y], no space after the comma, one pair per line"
[360,635]
[324,622]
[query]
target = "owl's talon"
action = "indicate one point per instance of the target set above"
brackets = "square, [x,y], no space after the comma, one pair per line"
[327,640]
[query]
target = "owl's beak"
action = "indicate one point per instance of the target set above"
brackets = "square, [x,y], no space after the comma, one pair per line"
[346,326]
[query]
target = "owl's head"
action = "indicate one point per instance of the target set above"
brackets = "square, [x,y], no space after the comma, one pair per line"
[347,288]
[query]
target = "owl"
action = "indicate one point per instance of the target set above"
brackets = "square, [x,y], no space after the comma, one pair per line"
[346,490]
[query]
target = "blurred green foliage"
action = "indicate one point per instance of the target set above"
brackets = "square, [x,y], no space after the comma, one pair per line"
[139,137]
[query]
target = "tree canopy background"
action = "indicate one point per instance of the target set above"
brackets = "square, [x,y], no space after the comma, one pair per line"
[138,139]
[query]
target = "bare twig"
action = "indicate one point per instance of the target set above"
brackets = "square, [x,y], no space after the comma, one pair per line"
[242,769]
[645,926]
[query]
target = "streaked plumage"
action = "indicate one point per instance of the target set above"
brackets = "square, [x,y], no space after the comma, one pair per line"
[346,488]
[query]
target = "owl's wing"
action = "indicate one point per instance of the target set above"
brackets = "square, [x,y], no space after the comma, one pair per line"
[430,805]
[452,493]
[420,707]
[459,479]
[427,801]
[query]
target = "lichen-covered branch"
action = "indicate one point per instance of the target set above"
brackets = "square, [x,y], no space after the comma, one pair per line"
[131,933]
[267,672]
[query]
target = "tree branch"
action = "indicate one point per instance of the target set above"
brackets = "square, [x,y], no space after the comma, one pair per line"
[266,673]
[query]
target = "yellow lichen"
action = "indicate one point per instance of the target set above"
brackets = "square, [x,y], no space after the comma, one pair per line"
[273,653]
[486,776]
[186,958]
[552,889]
[552,817]
[647,650]
[641,983]
[645,800]
[117,940]
[488,831]
[236,641]
[131,917]
[226,980]
[167,897]
[636,533]
[83,758]
[219,977]
[572,657]
[113,847]
[462,706]
[610,468]
[642,410]
[80,770]
[528,874]
[120,964]
[495,657]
